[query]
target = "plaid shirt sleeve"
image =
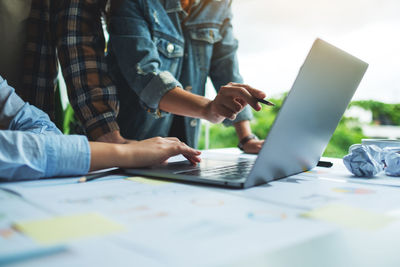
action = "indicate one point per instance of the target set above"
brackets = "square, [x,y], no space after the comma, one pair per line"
[75,32]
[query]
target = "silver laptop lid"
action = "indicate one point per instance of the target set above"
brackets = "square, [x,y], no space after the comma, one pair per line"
[310,113]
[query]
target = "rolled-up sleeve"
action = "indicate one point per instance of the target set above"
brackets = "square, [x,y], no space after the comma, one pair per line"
[136,55]
[32,147]
[32,119]
[25,155]
[10,104]
[15,114]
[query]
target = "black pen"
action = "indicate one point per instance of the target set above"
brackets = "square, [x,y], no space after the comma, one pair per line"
[326,164]
[266,102]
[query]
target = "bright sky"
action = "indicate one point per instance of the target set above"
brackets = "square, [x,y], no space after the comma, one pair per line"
[276,35]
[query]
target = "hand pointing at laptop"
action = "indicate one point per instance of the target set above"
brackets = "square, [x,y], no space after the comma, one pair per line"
[230,100]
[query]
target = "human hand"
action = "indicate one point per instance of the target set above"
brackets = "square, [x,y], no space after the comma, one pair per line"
[112,137]
[253,146]
[231,99]
[156,150]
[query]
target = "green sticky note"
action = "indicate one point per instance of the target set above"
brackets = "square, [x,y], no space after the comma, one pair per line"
[61,229]
[349,217]
[148,181]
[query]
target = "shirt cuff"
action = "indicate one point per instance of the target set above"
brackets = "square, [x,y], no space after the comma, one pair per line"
[245,115]
[158,86]
[67,155]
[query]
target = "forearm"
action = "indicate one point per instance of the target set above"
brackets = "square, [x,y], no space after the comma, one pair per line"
[243,129]
[90,89]
[181,102]
[135,154]
[104,155]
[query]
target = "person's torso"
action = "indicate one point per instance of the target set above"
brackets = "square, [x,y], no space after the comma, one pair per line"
[185,42]
[185,48]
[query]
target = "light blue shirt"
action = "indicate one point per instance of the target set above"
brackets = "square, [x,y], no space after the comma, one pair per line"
[31,146]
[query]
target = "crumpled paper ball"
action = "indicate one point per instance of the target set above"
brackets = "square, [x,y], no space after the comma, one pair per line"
[392,161]
[364,161]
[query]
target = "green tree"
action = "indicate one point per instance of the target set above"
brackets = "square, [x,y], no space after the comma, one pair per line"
[382,113]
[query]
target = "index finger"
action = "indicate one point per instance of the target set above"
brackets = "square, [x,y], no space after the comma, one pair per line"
[192,159]
[254,92]
[241,92]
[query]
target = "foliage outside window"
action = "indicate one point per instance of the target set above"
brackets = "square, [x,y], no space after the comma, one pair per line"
[348,132]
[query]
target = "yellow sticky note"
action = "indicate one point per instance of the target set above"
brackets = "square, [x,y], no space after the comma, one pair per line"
[149,181]
[349,216]
[65,228]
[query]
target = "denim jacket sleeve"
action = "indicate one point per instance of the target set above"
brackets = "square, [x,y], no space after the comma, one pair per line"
[136,54]
[224,64]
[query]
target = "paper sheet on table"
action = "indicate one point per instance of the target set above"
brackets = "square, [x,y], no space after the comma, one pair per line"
[15,246]
[339,173]
[227,154]
[349,216]
[65,228]
[181,213]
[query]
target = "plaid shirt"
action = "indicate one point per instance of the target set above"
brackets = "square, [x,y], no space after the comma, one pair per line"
[71,31]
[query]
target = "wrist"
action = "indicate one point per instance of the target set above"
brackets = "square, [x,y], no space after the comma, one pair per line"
[245,140]
[184,103]
[104,155]
[206,111]
[122,155]
[112,137]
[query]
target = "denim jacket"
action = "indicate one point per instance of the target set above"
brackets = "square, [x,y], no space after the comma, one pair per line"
[156,46]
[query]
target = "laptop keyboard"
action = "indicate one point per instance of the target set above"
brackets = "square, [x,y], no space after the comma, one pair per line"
[231,172]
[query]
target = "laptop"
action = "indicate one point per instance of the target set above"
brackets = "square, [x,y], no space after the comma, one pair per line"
[299,135]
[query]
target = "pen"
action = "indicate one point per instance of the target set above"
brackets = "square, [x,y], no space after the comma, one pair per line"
[326,164]
[93,176]
[266,102]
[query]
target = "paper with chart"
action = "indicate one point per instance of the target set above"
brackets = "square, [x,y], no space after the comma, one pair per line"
[162,217]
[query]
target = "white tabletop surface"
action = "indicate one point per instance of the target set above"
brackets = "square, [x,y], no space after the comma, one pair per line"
[175,224]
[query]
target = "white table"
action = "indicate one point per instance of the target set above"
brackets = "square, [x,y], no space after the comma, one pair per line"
[174,224]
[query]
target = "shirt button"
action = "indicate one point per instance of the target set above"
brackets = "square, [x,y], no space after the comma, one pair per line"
[170,48]
[193,123]
[211,34]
